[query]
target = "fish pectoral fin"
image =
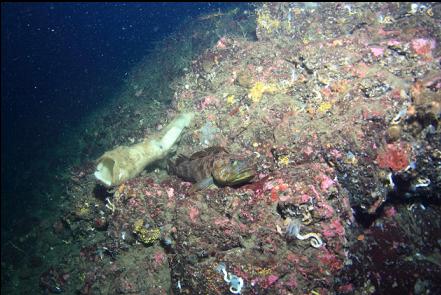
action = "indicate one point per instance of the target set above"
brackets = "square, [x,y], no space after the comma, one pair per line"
[202,184]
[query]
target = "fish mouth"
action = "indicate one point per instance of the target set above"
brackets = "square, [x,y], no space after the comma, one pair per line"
[240,174]
[244,176]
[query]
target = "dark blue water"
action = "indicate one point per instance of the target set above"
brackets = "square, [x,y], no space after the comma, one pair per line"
[59,63]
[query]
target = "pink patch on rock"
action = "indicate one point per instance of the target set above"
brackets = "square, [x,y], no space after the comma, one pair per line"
[394,156]
[291,282]
[390,212]
[222,221]
[132,202]
[346,288]
[326,91]
[361,70]
[308,150]
[262,175]
[382,32]
[393,42]
[159,257]
[326,183]
[272,279]
[186,184]
[302,199]
[396,94]
[329,259]
[339,229]
[333,229]
[328,232]
[194,213]
[326,210]
[423,46]
[222,43]
[377,51]
[170,192]
[370,115]
[284,198]
[208,100]
[283,187]
[336,153]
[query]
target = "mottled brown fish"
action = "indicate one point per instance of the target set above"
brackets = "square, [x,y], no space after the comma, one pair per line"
[214,165]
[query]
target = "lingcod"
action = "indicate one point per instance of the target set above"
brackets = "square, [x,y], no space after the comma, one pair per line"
[213,166]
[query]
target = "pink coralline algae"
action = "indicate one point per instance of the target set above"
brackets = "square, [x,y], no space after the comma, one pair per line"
[393,42]
[194,213]
[382,32]
[325,210]
[284,198]
[423,46]
[346,288]
[377,51]
[291,282]
[272,279]
[326,182]
[170,192]
[207,101]
[390,212]
[335,153]
[265,282]
[302,199]
[222,222]
[308,150]
[393,156]
[159,257]
[335,228]
[222,43]
[330,260]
